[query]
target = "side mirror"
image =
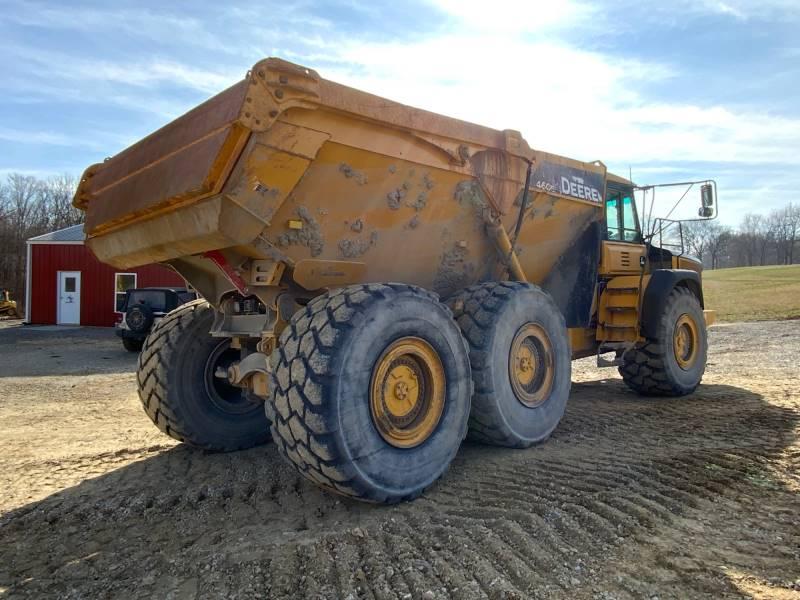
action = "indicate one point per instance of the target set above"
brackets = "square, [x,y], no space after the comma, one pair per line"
[707,195]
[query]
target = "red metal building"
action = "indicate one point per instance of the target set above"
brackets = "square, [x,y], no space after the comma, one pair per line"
[66,284]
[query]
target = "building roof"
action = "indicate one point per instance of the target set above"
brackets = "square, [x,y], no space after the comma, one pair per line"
[68,234]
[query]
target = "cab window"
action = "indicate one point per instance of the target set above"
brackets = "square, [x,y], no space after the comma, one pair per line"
[155,299]
[621,221]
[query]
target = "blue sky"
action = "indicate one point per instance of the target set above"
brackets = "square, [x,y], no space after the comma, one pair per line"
[677,90]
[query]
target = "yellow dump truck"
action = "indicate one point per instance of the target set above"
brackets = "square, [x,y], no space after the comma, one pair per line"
[380,281]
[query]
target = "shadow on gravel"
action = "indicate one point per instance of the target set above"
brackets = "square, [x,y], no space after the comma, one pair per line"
[42,351]
[175,519]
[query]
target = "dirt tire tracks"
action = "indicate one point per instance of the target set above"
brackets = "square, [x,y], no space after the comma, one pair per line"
[630,498]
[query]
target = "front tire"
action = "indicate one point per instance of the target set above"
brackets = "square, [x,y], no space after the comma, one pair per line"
[521,362]
[370,391]
[132,344]
[180,392]
[672,363]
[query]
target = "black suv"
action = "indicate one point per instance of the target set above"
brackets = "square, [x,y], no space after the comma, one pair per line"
[143,307]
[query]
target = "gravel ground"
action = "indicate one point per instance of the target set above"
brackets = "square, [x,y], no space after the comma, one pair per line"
[630,498]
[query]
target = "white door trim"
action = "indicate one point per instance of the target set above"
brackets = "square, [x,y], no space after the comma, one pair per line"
[62,319]
[28,255]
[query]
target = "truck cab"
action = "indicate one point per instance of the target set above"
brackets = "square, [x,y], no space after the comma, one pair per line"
[639,272]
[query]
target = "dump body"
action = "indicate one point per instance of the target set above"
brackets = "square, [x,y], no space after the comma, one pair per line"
[338,186]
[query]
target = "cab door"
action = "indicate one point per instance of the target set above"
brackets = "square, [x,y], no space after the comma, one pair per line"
[622,248]
[620,269]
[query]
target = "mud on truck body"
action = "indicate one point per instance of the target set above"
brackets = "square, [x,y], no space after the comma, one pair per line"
[380,281]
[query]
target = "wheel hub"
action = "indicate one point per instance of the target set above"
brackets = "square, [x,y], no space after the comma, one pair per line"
[135,319]
[685,341]
[228,398]
[531,365]
[407,392]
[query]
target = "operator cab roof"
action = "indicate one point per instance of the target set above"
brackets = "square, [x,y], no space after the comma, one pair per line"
[619,180]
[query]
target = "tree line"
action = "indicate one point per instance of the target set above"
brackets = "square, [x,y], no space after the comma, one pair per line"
[30,206]
[772,239]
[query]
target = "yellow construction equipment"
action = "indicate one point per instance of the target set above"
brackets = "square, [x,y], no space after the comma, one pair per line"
[382,281]
[8,307]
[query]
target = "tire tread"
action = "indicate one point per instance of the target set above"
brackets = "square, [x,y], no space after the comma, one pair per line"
[477,309]
[301,367]
[157,355]
[643,367]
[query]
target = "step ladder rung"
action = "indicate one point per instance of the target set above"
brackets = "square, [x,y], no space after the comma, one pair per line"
[611,326]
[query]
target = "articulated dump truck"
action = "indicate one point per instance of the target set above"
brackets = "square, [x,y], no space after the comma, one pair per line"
[380,282]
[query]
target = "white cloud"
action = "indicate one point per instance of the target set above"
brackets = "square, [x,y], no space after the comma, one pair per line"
[741,10]
[726,9]
[565,100]
[24,92]
[50,66]
[514,15]
[97,142]
[153,71]
[139,23]
[48,138]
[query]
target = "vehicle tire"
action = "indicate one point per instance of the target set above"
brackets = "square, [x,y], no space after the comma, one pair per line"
[132,344]
[180,393]
[521,362]
[672,363]
[370,391]
[139,318]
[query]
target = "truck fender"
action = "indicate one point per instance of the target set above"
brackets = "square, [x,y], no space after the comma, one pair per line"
[662,282]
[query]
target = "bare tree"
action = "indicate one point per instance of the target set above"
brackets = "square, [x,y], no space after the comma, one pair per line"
[753,232]
[693,239]
[706,240]
[29,207]
[56,197]
[779,231]
[718,239]
[792,224]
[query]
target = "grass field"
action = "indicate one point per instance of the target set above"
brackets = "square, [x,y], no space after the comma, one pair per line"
[753,293]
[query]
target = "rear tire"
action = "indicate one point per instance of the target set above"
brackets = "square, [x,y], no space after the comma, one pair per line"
[180,393]
[340,372]
[132,345]
[673,363]
[521,362]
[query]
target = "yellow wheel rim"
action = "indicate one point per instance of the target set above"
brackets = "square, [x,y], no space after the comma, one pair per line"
[531,365]
[407,392]
[685,341]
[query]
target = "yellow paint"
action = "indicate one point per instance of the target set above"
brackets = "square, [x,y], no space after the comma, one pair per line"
[407,392]
[618,313]
[531,368]
[685,341]
[619,258]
